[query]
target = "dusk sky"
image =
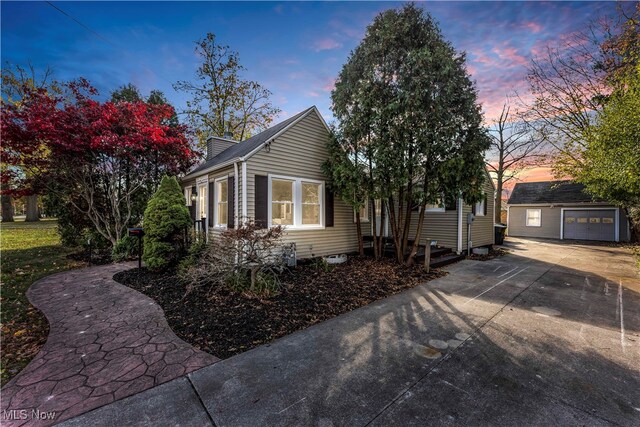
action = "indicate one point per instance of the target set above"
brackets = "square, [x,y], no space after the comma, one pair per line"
[294,49]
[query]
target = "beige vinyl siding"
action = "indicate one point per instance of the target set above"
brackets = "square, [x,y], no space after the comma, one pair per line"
[550,218]
[482,229]
[440,226]
[300,152]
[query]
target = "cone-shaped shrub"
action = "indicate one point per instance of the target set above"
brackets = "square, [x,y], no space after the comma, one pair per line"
[165,220]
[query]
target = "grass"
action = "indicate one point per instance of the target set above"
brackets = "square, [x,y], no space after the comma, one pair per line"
[29,251]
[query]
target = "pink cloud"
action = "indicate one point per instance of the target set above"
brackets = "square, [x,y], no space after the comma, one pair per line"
[511,54]
[534,27]
[329,85]
[313,93]
[326,44]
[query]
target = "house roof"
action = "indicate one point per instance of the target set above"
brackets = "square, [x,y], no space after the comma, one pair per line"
[246,147]
[552,192]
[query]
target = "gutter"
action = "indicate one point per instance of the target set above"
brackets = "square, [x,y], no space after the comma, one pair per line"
[235,194]
[460,206]
[244,190]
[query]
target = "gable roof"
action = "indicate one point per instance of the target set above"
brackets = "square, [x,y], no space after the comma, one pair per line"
[248,146]
[551,192]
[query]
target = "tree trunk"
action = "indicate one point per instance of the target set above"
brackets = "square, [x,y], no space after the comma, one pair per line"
[416,242]
[498,201]
[374,229]
[7,208]
[359,231]
[32,208]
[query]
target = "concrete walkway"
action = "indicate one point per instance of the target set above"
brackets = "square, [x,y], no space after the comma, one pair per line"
[548,335]
[106,342]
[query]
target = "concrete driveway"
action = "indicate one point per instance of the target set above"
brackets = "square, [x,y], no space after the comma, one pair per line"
[548,335]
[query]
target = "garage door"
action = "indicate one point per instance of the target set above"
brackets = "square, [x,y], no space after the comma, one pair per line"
[597,224]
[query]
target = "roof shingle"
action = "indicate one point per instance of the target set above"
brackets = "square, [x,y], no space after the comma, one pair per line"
[552,192]
[247,146]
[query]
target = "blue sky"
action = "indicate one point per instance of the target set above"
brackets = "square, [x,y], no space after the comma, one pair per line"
[294,49]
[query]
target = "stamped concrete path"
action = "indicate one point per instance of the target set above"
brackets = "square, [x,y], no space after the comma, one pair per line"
[106,342]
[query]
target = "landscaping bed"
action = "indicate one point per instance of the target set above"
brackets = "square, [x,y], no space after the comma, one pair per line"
[224,323]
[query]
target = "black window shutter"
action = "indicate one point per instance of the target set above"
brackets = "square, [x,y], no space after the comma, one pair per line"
[485,205]
[328,208]
[231,201]
[450,205]
[261,202]
[210,197]
[473,208]
[192,211]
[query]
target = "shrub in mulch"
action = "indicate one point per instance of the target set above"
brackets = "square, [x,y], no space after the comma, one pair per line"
[223,322]
[493,253]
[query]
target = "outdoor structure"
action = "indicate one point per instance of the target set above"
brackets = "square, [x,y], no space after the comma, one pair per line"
[563,210]
[276,177]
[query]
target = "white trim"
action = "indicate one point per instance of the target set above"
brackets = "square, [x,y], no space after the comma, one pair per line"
[616,231]
[236,208]
[297,202]
[526,217]
[459,207]
[244,190]
[524,205]
[215,202]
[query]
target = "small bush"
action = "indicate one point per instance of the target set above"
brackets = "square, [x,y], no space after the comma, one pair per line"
[125,249]
[245,259]
[165,220]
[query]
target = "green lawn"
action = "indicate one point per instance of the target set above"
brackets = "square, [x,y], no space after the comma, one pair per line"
[29,251]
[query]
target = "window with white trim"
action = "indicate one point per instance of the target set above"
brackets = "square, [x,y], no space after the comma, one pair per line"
[436,207]
[364,213]
[480,207]
[533,218]
[187,196]
[202,201]
[222,202]
[310,203]
[296,202]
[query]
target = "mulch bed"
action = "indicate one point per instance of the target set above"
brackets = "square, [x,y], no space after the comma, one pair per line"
[225,323]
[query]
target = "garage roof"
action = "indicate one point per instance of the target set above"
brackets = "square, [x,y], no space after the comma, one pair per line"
[551,192]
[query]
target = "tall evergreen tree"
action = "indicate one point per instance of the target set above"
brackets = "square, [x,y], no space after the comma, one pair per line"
[406,97]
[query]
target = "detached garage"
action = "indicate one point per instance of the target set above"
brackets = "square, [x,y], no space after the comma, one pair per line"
[562,210]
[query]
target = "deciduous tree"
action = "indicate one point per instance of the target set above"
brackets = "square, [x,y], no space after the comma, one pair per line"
[514,147]
[222,100]
[93,155]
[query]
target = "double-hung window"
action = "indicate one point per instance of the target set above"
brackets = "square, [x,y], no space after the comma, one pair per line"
[480,207]
[533,218]
[221,202]
[296,202]
[202,201]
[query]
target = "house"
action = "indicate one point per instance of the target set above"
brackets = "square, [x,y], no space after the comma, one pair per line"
[276,177]
[563,210]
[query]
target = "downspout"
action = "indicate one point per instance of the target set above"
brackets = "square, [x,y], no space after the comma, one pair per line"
[244,190]
[460,205]
[235,194]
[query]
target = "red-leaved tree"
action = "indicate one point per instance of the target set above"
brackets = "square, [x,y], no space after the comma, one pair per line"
[97,157]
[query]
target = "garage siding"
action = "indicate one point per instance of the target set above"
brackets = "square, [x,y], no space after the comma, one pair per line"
[550,218]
